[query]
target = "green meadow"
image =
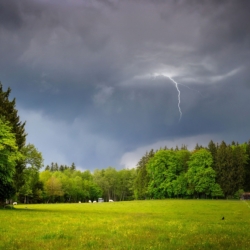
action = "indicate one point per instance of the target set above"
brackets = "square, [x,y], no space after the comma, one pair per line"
[153,224]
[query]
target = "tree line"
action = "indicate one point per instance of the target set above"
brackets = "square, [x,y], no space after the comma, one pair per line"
[66,184]
[218,170]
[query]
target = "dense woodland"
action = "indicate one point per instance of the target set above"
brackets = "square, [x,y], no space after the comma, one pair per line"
[214,171]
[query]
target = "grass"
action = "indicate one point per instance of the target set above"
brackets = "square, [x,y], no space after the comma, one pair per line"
[155,224]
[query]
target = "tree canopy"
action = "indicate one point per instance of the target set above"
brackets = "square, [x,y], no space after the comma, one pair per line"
[9,155]
[9,112]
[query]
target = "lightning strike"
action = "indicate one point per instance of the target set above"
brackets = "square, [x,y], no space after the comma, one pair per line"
[177,88]
[179,95]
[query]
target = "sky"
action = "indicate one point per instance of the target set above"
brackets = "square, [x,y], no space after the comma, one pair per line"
[100,82]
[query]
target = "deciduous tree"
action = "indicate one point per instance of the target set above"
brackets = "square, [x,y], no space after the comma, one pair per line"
[200,175]
[9,155]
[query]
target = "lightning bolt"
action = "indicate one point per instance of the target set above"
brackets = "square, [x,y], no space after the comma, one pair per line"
[179,95]
[177,88]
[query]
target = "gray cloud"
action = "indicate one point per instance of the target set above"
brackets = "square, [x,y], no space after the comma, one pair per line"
[90,75]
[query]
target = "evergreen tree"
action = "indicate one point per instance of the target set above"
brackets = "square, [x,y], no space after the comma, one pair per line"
[73,166]
[247,169]
[142,179]
[9,112]
[52,167]
[56,168]
[61,168]
[212,148]
[240,159]
[198,147]
[224,168]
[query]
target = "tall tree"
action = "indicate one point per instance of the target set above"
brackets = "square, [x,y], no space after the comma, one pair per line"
[157,168]
[247,169]
[9,112]
[240,159]
[73,166]
[200,175]
[212,148]
[231,161]
[110,175]
[53,188]
[9,155]
[100,180]
[125,178]
[222,167]
[32,157]
[34,162]
[142,178]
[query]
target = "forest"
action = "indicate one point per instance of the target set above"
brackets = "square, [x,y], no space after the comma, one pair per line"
[218,170]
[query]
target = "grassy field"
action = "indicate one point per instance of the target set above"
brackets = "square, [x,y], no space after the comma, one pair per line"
[155,224]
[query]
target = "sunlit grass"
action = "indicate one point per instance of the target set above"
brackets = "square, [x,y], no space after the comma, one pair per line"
[163,224]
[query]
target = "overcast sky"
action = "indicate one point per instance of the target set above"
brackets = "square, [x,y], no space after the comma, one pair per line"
[98,81]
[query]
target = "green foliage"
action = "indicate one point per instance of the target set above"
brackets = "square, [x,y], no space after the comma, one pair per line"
[53,187]
[180,186]
[142,179]
[164,174]
[125,182]
[9,155]
[32,157]
[116,185]
[212,148]
[157,172]
[9,112]
[216,190]
[177,173]
[247,168]
[200,175]
[166,171]
[238,194]
[32,188]
[231,163]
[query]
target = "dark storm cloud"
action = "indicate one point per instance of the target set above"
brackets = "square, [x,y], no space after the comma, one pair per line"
[92,75]
[10,17]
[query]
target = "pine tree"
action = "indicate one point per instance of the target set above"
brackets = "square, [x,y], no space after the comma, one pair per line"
[73,166]
[198,147]
[56,168]
[52,167]
[142,179]
[239,162]
[247,169]
[221,167]
[229,168]
[212,148]
[61,168]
